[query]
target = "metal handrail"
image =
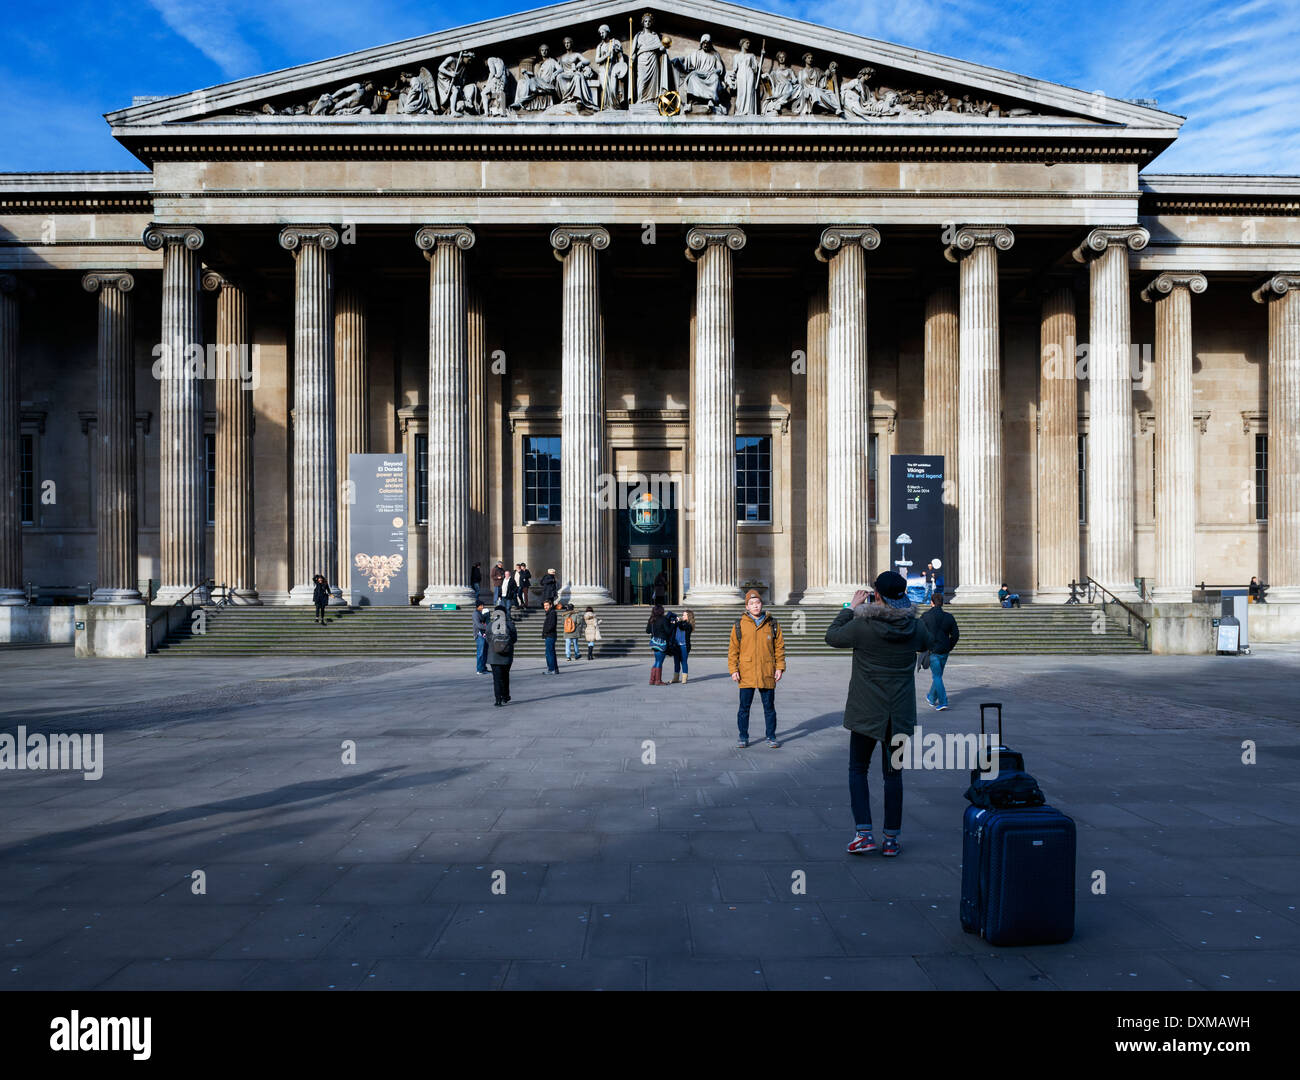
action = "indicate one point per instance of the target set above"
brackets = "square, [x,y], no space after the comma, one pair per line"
[1097,586]
[200,585]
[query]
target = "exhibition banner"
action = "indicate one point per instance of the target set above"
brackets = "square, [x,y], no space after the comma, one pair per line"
[377,532]
[916,518]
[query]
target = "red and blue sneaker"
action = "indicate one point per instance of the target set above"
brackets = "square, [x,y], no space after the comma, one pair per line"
[862,844]
[890,846]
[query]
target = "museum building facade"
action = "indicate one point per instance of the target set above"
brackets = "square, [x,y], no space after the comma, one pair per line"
[644,290]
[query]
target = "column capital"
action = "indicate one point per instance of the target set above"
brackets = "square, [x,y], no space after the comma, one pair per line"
[700,237]
[1134,237]
[564,237]
[292,237]
[834,238]
[969,237]
[1276,287]
[8,284]
[214,280]
[121,280]
[1163,284]
[428,237]
[155,236]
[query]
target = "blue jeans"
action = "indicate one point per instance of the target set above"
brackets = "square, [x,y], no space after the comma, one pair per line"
[481,663]
[769,711]
[571,646]
[937,695]
[551,664]
[860,748]
[496,595]
[679,661]
[659,658]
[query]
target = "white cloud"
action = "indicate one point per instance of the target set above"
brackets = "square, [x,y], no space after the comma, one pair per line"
[210,26]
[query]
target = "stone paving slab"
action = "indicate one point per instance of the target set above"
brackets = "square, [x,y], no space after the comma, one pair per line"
[537,847]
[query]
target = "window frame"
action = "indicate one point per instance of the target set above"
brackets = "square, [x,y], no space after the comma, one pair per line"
[740,455]
[554,482]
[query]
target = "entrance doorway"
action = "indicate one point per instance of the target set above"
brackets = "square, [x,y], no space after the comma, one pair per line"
[647,542]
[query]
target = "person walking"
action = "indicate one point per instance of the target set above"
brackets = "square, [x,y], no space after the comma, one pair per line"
[683,627]
[756,660]
[502,636]
[943,631]
[498,577]
[320,596]
[549,621]
[525,580]
[571,628]
[885,637]
[481,616]
[591,631]
[660,629]
[550,586]
[476,578]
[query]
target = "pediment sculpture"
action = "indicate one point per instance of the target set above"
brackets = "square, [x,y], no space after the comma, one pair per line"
[648,75]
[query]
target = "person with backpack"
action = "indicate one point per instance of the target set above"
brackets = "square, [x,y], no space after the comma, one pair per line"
[320,596]
[683,627]
[942,628]
[591,632]
[660,629]
[885,637]
[481,615]
[502,636]
[549,621]
[571,634]
[756,660]
[550,586]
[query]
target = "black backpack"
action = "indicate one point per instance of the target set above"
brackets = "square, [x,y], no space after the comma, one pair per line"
[499,634]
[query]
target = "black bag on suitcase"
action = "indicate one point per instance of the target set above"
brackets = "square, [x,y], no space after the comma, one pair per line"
[1017,867]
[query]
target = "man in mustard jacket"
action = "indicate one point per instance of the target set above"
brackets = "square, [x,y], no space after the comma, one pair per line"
[756,660]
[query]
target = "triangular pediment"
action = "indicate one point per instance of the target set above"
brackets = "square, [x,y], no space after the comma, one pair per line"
[498,70]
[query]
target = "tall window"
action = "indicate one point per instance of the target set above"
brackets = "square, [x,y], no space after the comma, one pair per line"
[871,478]
[754,479]
[422,479]
[27,473]
[1083,479]
[1261,477]
[210,471]
[541,479]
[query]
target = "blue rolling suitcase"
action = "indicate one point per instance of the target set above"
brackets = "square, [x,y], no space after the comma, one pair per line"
[1017,868]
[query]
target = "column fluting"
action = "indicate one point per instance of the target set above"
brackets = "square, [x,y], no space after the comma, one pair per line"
[713,575]
[115,502]
[449,497]
[1282,295]
[582,419]
[11,495]
[315,442]
[815,464]
[351,408]
[1058,446]
[1112,554]
[480,539]
[942,416]
[180,368]
[979,392]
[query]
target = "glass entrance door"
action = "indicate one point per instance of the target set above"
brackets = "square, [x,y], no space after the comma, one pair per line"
[639,576]
[647,544]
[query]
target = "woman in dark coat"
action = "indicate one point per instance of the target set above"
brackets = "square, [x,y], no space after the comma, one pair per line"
[660,629]
[660,591]
[885,638]
[501,639]
[320,596]
[550,586]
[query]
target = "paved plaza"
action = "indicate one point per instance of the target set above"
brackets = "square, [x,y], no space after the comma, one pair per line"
[619,873]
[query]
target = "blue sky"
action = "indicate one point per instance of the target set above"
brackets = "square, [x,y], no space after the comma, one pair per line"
[1230,68]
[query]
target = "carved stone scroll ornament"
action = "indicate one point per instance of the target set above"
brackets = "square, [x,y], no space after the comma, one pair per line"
[701,236]
[292,237]
[155,236]
[1164,284]
[1134,237]
[563,237]
[428,237]
[834,238]
[968,237]
[121,280]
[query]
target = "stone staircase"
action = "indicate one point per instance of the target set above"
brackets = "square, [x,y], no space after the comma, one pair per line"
[417,632]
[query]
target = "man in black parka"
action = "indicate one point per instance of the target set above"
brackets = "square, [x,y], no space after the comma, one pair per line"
[885,637]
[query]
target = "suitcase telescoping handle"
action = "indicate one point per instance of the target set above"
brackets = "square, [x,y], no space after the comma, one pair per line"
[992,705]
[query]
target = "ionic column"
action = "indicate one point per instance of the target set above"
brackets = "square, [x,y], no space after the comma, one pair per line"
[315,443]
[1282,295]
[182,495]
[115,508]
[815,468]
[1175,443]
[848,408]
[11,495]
[979,405]
[351,407]
[449,506]
[942,354]
[713,405]
[233,560]
[479,539]
[582,421]
[1058,446]
[1111,544]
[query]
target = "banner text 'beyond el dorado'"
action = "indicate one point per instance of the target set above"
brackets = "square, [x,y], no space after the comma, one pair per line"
[377,532]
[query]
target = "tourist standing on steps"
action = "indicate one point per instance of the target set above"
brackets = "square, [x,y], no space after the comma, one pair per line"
[756,660]
[320,596]
[942,628]
[525,580]
[683,627]
[550,586]
[885,637]
[498,577]
[659,628]
[481,614]
[476,579]
[512,590]
[571,628]
[938,576]
[502,636]
[591,631]
[549,620]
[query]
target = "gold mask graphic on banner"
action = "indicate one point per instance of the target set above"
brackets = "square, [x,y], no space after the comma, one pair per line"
[379,569]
